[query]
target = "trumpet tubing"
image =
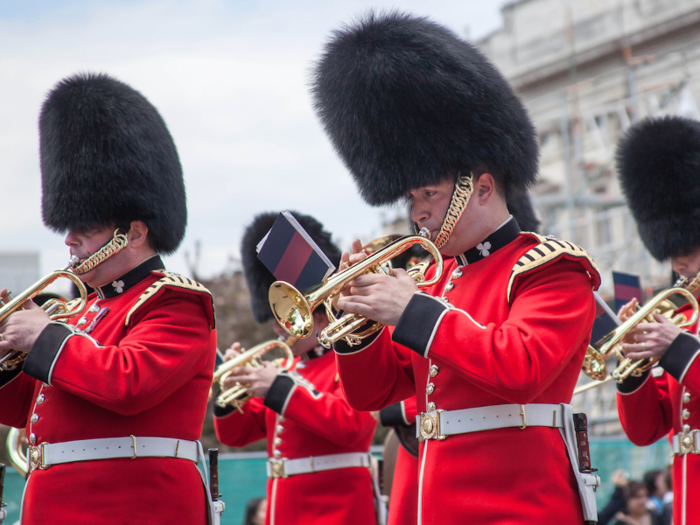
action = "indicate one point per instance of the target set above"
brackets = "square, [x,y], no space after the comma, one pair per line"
[15,443]
[56,310]
[594,363]
[238,394]
[294,311]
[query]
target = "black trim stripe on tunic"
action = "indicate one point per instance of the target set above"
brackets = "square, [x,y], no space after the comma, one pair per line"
[679,355]
[417,323]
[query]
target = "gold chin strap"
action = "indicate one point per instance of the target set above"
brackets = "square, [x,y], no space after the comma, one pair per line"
[117,244]
[460,199]
[691,286]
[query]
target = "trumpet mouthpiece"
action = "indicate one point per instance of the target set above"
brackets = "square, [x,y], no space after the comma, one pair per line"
[424,232]
[72,262]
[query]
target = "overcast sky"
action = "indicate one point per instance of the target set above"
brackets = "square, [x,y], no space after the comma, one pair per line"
[230,78]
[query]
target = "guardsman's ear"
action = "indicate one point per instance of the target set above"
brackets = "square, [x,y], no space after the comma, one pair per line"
[137,234]
[484,188]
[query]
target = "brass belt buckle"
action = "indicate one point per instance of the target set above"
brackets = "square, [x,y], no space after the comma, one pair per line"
[686,443]
[277,468]
[36,457]
[430,426]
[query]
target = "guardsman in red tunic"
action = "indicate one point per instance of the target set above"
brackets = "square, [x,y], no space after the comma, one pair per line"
[401,416]
[659,170]
[113,401]
[319,466]
[493,349]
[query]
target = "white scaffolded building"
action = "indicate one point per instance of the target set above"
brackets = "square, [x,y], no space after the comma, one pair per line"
[586,70]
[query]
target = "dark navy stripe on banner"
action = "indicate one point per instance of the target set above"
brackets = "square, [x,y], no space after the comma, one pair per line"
[276,243]
[313,272]
[627,279]
[627,287]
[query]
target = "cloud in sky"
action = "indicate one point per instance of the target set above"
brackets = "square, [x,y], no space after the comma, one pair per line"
[230,78]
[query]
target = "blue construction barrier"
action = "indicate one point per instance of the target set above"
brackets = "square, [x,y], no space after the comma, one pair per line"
[243,476]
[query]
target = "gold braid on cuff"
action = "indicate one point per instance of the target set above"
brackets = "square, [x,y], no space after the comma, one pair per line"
[117,244]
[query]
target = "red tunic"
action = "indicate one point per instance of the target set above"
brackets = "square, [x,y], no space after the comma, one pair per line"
[486,351]
[653,407]
[305,414]
[150,377]
[403,502]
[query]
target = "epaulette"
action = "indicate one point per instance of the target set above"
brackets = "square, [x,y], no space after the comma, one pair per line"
[172,280]
[548,250]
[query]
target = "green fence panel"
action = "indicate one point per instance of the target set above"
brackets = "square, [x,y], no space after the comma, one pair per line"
[608,455]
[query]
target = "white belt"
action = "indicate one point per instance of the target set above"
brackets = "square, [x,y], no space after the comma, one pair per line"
[47,454]
[686,442]
[283,468]
[440,423]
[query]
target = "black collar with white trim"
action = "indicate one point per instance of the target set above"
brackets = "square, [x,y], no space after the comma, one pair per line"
[130,278]
[316,351]
[504,235]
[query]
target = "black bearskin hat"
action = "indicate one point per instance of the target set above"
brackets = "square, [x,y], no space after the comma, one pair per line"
[520,207]
[658,162]
[258,277]
[107,157]
[406,102]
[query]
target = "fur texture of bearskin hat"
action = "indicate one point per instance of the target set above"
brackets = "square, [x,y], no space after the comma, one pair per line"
[108,158]
[406,102]
[520,207]
[258,277]
[658,162]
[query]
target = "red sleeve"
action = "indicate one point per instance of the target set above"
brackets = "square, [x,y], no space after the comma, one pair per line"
[410,409]
[16,397]
[376,373]
[520,358]
[167,346]
[681,360]
[237,430]
[645,410]
[326,414]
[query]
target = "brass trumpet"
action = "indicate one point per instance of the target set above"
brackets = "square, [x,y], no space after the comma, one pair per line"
[594,363]
[294,310]
[16,444]
[56,309]
[238,395]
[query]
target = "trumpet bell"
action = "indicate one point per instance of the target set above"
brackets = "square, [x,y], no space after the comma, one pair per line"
[594,364]
[291,309]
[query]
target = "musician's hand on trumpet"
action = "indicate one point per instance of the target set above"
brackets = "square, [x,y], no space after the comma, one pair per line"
[20,330]
[379,297]
[257,380]
[650,340]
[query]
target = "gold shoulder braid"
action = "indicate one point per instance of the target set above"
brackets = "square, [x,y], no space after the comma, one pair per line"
[171,280]
[547,251]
